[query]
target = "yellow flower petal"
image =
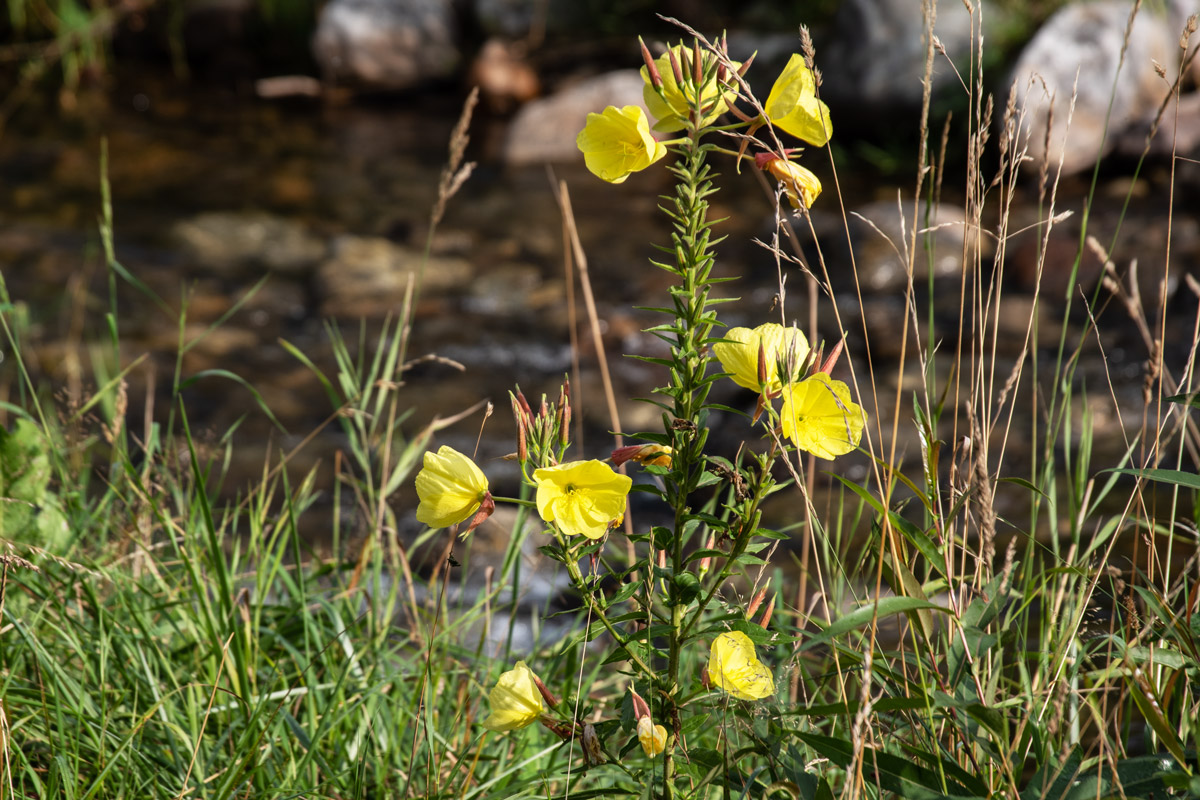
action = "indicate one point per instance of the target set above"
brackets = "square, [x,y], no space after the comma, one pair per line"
[653,737]
[450,488]
[617,142]
[581,497]
[820,418]
[793,105]
[739,357]
[515,700]
[733,667]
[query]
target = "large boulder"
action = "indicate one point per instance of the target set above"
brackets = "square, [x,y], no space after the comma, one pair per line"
[873,59]
[545,129]
[1075,55]
[387,44]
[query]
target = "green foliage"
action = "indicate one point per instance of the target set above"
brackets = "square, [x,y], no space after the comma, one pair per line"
[30,511]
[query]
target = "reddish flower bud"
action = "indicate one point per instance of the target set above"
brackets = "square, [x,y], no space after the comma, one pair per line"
[675,68]
[697,64]
[651,68]
[486,507]
[829,363]
[640,707]
[757,601]
[547,695]
[766,617]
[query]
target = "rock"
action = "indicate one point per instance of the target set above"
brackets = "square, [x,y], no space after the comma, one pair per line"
[545,129]
[368,276]
[387,44]
[503,75]
[874,60]
[228,241]
[1082,42]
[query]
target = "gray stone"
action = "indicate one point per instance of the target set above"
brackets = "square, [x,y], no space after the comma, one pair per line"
[874,59]
[368,276]
[545,129]
[388,44]
[230,241]
[1077,53]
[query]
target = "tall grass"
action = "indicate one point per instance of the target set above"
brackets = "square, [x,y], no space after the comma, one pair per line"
[158,640]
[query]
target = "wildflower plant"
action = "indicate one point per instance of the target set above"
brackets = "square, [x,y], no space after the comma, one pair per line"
[676,599]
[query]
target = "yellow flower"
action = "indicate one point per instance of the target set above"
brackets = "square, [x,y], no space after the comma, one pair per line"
[617,142]
[801,185]
[515,700]
[794,107]
[733,666]
[450,487]
[653,737]
[674,105]
[819,417]
[739,357]
[581,496]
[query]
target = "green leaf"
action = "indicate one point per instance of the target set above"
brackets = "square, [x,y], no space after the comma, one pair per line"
[1189,480]
[863,614]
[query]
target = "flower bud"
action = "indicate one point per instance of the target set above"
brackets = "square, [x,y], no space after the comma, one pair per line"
[827,366]
[675,68]
[640,707]
[757,601]
[766,617]
[547,695]
[655,78]
[487,507]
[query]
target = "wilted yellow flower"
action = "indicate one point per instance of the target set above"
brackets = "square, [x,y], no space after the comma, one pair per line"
[733,666]
[581,496]
[653,737]
[617,142]
[674,105]
[793,105]
[515,700]
[451,488]
[657,455]
[801,185]
[819,417]
[739,356]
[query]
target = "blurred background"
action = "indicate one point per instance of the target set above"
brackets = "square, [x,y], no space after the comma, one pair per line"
[273,164]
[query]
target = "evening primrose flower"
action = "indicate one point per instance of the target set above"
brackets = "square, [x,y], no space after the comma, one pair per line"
[515,700]
[581,496]
[819,417]
[801,185]
[617,142]
[739,356]
[653,737]
[451,488]
[793,106]
[672,104]
[733,667]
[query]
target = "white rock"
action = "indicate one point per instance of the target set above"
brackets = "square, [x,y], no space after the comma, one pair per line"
[388,44]
[545,129]
[1076,53]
